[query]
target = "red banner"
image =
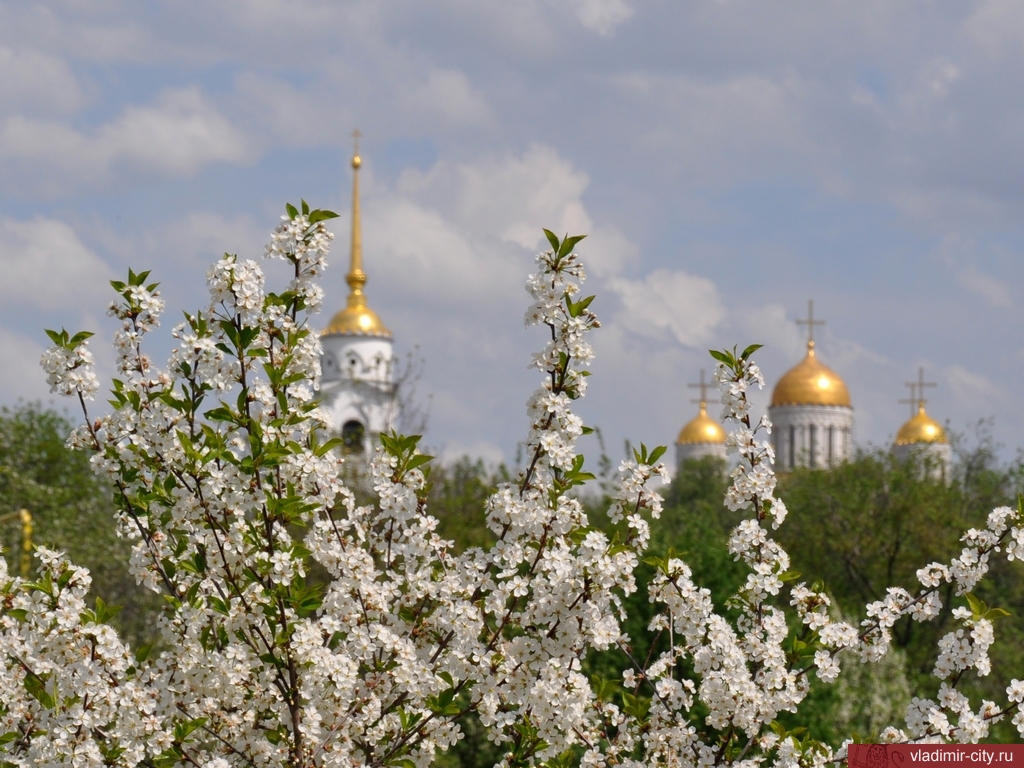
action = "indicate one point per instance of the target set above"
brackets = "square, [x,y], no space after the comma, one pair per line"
[912,755]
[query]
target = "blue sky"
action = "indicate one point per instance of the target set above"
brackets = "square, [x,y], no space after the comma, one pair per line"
[730,160]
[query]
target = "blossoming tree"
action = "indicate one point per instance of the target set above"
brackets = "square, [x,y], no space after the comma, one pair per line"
[302,629]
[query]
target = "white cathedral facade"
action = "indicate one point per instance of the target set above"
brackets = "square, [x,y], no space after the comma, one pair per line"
[357,385]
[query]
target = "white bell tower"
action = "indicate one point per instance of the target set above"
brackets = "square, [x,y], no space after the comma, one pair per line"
[357,381]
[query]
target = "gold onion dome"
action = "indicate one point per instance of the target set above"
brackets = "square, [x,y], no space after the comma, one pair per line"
[356,318]
[811,382]
[703,429]
[922,428]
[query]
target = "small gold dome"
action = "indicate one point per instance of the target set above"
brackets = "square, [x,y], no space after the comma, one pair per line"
[922,428]
[702,429]
[811,383]
[359,321]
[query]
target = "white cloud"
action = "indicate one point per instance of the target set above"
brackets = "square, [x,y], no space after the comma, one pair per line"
[995,292]
[20,375]
[974,390]
[513,197]
[772,326]
[686,306]
[177,135]
[304,117]
[202,237]
[433,258]
[33,80]
[602,16]
[448,94]
[719,128]
[46,266]
[997,26]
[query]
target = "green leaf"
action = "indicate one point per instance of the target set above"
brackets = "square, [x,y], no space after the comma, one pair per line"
[722,357]
[60,339]
[183,730]
[552,239]
[978,608]
[293,212]
[750,350]
[656,454]
[568,244]
[36,688]
[321,215]
[637,706]
[418,460]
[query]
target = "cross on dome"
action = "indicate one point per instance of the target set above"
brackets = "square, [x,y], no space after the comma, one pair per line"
[921,428]
[702,430]
[917,400]
[703,387]
[810,322]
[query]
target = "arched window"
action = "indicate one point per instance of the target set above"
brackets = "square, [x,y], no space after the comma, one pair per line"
[352,437]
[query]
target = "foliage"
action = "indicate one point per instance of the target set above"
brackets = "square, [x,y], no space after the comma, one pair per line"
[71,510]
[232,496]
[862,526]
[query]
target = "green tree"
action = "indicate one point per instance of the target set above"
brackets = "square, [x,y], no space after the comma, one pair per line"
[872,522]
[71,510]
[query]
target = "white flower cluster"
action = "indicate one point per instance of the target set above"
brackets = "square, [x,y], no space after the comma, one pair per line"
[238,288]
[303,629]
[70,371]
[305,244]
[231,497]
[951,717]
[72,692]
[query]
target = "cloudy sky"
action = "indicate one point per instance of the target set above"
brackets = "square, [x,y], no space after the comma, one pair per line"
[730,160]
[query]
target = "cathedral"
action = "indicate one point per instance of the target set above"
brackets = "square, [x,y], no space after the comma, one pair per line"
[811,410]
[812,421]
[357,386]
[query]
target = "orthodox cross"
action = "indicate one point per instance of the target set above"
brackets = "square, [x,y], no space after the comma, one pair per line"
[810,322]
[703,387]
[355,141]
[917,391]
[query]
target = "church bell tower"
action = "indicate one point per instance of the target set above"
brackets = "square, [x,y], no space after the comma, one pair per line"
[357,364]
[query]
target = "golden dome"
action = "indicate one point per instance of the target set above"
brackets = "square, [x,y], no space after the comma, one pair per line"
[356,318]
[702,429]
[811,383]
[360,320]
[922,428]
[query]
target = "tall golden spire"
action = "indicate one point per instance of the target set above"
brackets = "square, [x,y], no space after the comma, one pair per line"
[356,278]
[357,318]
